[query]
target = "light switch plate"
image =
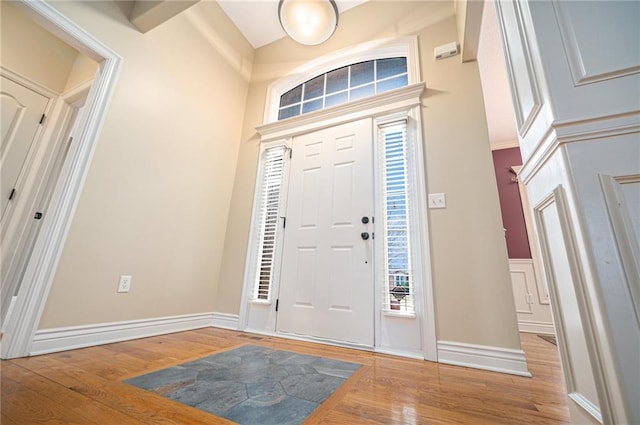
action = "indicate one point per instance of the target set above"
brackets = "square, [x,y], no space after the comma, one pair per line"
[437,200]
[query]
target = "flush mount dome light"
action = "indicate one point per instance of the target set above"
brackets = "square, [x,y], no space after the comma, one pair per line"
[308,22]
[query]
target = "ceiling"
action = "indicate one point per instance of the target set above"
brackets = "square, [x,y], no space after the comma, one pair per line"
[258,19]
[258,22]
[498,103]
[478,36]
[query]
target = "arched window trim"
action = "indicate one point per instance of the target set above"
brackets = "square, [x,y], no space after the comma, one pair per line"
[377,49]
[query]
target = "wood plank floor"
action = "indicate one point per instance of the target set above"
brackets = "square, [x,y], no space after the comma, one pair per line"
[84,386]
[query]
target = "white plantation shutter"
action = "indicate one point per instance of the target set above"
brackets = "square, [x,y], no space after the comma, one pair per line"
[399,285]
[268,219]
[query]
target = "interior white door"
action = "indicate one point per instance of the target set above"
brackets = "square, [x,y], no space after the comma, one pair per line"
[21,110]
[327,279]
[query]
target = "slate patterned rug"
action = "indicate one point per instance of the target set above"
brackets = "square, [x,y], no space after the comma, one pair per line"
[251,385]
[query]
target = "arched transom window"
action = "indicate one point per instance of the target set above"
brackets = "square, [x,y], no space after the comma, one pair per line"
[343,85]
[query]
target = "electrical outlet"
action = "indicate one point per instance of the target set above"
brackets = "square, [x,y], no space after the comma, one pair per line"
[437,200]
[124,285]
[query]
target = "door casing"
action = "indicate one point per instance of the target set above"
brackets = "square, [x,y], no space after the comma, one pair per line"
[21,323]
[410,336]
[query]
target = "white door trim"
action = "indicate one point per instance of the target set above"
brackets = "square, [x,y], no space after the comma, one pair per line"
[21,325]
[397,100]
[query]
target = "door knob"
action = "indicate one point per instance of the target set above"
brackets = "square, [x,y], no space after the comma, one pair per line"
[365,219]
[364,235]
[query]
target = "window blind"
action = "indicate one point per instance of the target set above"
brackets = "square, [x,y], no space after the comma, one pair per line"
[399,288]
[268,220]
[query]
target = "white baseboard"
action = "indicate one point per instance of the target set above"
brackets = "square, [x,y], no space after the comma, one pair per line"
[417,355]
[533,327]
[69,338]
[496,359]
[225,321]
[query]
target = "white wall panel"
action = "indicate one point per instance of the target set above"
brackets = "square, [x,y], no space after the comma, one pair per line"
[585,60]
[569,299]
[598,51]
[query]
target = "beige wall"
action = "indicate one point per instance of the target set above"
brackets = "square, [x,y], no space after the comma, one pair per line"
[169,192]
[156,198]
[82,71]
[35,53]
[474,302]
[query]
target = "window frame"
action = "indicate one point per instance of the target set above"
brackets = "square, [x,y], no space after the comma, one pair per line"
[254,247]
[378,49]
[260,225]
[383,127]
[348,91]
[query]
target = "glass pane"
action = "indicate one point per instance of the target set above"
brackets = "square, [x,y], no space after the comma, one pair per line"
[335,99]
[291,111]
[361,73]
[314,105]
[291,97]
[392,83]
[314,87]
[360,79]
[337,80]
[362,92]
[391,66]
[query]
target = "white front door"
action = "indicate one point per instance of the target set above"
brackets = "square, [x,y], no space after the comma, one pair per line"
[21,110]
[327,279]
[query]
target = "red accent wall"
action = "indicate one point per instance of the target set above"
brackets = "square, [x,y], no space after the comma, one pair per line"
[510,204]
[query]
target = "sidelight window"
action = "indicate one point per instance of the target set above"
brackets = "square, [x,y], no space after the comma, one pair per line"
[399,285]
[268,220]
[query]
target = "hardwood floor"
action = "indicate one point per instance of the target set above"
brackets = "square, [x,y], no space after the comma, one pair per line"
[84,386]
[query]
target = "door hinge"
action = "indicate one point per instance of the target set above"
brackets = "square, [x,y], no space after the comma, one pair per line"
[42,118]
[284,222]
[13,192]
[277,302]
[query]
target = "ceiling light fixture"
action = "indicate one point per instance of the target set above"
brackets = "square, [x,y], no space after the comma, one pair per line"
[308,22]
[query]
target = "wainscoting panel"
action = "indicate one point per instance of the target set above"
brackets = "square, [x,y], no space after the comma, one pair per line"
[568,296]
[533,315]
[598,55]
[520,68]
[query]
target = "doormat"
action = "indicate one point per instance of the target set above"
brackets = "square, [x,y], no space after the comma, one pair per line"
[251,385]
[549,338]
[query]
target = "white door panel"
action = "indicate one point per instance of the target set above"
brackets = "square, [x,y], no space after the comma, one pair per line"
[327,283]
[21,110]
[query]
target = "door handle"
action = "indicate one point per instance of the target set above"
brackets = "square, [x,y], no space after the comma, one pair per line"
[364,235]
